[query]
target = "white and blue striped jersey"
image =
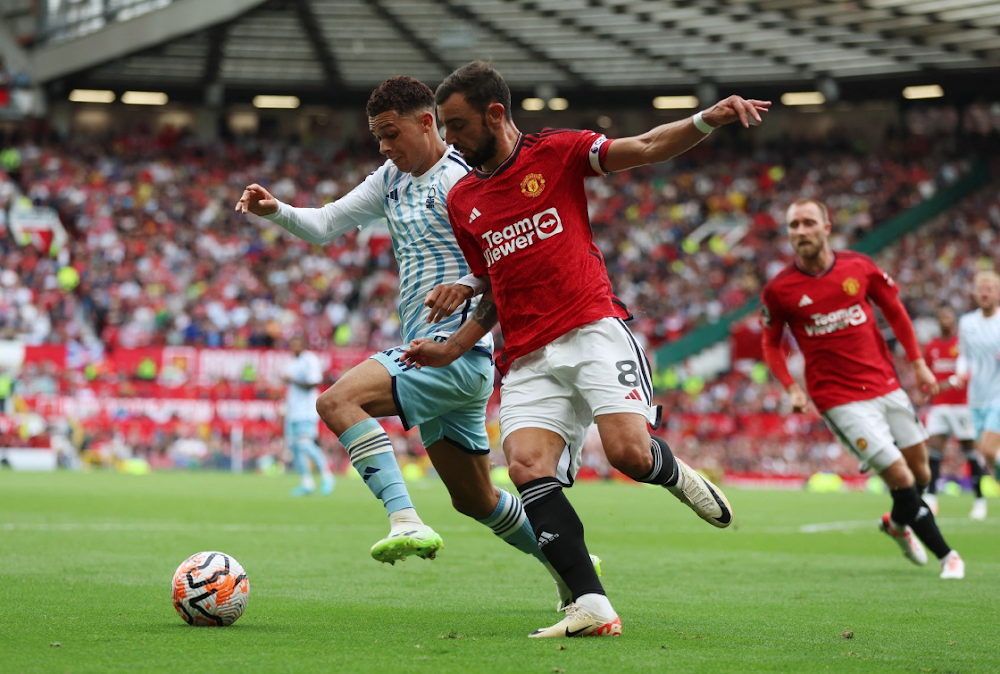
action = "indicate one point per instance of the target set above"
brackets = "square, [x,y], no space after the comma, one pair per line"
[422,239]
[979,356]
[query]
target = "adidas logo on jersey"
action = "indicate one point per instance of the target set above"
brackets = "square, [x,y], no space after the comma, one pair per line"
[634,395]
[394,195]
[805,301]
[475,214]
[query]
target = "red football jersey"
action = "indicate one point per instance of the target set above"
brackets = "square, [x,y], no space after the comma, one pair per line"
[846,357]
[526,225]
[941,356]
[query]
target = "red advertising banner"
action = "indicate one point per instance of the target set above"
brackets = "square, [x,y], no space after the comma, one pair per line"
[159,410]
[176,365]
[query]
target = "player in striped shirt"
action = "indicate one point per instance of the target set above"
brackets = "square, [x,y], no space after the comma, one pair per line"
[410,191]
[979,364]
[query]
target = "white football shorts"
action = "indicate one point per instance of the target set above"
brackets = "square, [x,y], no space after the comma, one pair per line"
[596,369]
[951,421]
[875,430]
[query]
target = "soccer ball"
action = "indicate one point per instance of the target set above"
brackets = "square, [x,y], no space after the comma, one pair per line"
[210,589]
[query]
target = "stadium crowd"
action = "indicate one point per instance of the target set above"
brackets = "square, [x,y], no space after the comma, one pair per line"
[160,259]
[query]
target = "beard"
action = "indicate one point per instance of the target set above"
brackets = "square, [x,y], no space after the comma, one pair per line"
[483,153]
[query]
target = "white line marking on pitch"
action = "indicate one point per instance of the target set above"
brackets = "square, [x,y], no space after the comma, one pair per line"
[157,526]
[824,527]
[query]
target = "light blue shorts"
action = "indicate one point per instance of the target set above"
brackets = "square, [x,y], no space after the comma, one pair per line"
[986,419]
[298,429]
[444,403]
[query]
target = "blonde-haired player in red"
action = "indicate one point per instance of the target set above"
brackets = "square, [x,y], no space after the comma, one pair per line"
[949,414]
[825,298]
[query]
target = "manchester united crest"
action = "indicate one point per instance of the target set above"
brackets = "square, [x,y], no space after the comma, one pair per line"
[851,286]
[532,185]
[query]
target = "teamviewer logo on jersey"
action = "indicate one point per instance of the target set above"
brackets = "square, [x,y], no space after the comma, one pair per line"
[547,223]
[520,235]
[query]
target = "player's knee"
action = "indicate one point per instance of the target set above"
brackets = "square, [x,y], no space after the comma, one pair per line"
[921,474]
[898,476]
[327,405]
[633,459]
[522,472]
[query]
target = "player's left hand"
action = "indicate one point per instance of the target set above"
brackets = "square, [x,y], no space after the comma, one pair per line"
[925,378]
[729,110]
[429,352]
[445,299]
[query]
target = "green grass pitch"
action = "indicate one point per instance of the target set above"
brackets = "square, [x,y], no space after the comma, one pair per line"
[800,583]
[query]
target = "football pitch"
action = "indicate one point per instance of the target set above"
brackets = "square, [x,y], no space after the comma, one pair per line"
[800,583]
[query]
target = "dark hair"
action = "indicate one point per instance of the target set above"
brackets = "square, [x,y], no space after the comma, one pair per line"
[481,85]
[823,210]
[403,94]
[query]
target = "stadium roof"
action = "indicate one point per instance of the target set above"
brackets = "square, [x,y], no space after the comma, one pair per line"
[336,50]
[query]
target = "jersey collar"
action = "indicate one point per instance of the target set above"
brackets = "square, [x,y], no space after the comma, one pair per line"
[506,163]
[819,274]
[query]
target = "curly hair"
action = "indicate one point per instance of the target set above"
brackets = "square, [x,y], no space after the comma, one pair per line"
[403,94]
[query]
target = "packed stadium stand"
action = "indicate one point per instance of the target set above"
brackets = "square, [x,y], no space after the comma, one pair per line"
[139,315]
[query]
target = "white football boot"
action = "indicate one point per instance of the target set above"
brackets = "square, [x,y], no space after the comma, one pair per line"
[701,496]
[581,622]
[906,540]
[952,566]
[978,511]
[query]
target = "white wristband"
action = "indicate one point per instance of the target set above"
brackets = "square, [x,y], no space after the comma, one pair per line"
[701,124]
[954,381]
[474,282]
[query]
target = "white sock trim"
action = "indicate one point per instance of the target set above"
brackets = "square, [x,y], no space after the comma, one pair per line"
[404,518]
[598,604]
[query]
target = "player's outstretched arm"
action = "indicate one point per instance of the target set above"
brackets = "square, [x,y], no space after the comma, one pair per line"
[256,200]
[895,314]
[433,353]
[670,140]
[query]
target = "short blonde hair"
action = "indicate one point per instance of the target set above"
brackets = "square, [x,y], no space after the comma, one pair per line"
[823,210]
[987,275]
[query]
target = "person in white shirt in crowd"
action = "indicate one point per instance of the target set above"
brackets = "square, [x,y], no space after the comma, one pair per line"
[303,375]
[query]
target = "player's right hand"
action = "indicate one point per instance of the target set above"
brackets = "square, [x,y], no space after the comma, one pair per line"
[925,378]
[256,200]
[445,299]
[797,399]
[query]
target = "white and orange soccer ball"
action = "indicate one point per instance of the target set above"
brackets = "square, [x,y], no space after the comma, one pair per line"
[210,589]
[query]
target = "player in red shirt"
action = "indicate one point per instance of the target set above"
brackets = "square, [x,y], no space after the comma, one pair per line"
[825,297]
[569,360]
[949,414]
